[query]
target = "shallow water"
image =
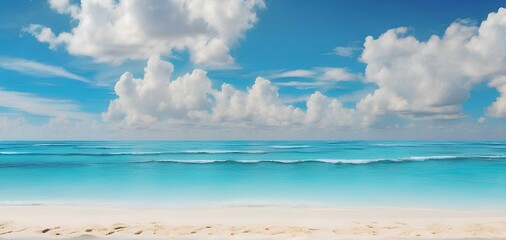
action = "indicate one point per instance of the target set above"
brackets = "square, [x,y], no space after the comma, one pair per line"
[188,173]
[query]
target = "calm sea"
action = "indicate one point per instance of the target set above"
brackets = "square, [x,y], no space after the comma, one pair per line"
[296,173]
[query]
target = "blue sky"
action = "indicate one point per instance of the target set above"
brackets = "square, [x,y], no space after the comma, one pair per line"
[58,69]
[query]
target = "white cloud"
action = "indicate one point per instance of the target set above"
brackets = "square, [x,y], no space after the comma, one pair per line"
[431,79]
[156,97]
[64,7]
[113,31]
[190,99]
[318,73]
[325,111]
[259,105]
[488,48]
[32,104]
[19,128]
[287,99]
[321,76]
[345,51]
[414,79]
[11,124]
[304,84]
[299,73]
[335,74]
[37,69]
[356,96]
[498,107]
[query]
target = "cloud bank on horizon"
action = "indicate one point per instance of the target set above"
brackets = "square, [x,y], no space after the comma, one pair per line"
[414,84]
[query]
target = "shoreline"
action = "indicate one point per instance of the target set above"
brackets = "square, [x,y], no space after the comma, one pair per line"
[248,222]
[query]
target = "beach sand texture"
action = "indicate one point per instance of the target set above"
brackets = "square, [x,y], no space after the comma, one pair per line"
[251,222]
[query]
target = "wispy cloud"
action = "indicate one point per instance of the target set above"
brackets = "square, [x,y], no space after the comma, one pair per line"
[334,74]
[319,77]
[32,104]
[345,51]
[318,73]
[304,84]
[299,73]
[37,69]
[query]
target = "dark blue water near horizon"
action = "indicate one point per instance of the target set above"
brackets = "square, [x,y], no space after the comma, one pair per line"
[426,174]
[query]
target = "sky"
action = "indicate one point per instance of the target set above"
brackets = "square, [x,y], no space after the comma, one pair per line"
[252,69]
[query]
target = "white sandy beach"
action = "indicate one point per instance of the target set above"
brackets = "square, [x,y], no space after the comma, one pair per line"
[58,222]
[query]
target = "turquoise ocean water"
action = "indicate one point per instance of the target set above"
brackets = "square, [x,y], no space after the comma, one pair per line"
[199,173]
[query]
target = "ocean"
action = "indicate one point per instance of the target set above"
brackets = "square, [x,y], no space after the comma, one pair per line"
[153,174]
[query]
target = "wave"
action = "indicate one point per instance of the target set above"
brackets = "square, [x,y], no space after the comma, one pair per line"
[222,152]
[10,153]
[102,147]
[330,161]
[52,145]
[327,161]
[199,161]
[395,145]
[412,158]
[290,146]
[133,153]
[54,164]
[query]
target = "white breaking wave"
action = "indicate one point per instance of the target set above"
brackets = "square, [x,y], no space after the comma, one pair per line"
[198,161]
[323,160]
[133,153]
[102,147]
[222,151]
[284,161]
[12,153]
[274,161]
[350,161]
[395,145]
[494,156]
[423,158]
[290,146]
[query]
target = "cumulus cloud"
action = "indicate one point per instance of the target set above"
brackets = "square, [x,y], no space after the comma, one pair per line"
[191,99]
[260,105]
[113,31]
[431,79]
[64,7]
[413,78]
[156,97]
[325,111]
[498,107]
[37,69]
